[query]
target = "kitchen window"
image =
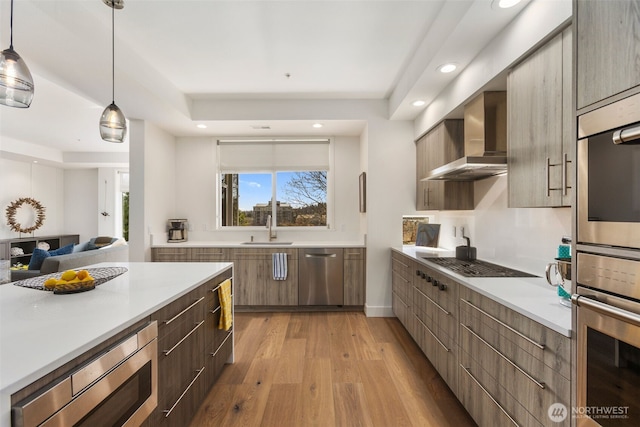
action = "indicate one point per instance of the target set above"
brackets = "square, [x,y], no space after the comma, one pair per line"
[289,180]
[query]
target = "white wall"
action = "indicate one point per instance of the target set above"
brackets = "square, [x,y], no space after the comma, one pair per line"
[81,202]
[152,190]
[42,183]
[196,198]
[525,239]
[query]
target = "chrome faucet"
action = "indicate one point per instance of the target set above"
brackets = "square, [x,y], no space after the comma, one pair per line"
[272,234]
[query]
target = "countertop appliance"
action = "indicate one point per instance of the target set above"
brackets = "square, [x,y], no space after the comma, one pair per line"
[476,268]
[320,277]
[177,230]
[608,342]
[119,387]
[608,166]
[485,141]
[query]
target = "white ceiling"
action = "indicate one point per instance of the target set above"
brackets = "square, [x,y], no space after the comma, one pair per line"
[169,53]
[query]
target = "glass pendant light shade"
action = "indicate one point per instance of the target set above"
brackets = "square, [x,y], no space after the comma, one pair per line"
[113,125]
[16,83]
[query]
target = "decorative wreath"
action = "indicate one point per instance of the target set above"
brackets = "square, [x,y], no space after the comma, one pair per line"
[13,208]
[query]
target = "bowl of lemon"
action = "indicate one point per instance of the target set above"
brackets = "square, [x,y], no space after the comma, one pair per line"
[70,281]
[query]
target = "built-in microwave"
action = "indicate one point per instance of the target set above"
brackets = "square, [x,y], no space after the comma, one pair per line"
[608,182]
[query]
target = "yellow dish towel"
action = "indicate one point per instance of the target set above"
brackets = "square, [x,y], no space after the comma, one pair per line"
[224,295]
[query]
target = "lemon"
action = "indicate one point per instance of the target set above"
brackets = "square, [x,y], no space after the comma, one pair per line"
[68,275]
[50,283]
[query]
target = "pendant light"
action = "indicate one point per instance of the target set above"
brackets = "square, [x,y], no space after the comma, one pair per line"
[16,83]
[113,125]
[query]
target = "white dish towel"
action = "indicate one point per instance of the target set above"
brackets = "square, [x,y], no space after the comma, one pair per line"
[279,262]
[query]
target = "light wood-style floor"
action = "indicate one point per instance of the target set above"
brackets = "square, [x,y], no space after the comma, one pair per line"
[328,369]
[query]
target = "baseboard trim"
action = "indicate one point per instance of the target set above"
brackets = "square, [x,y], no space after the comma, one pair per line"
[378,311]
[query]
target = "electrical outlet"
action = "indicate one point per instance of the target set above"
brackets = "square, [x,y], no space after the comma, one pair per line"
[462,231]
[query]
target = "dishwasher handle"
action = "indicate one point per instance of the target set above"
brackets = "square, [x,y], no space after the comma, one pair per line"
[320,255]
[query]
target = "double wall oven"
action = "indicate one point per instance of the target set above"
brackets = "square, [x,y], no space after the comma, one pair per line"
[607,288]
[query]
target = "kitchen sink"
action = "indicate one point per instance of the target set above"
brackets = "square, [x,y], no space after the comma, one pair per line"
[268,243]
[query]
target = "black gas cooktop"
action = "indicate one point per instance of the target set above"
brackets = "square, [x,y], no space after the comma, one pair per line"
[477,268]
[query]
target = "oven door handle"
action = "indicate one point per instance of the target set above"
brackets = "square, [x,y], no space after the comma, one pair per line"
[606,309]
[623,136]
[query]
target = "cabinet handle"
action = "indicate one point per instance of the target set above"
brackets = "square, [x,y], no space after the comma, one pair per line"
[489,395]
[166,322]
[565,161]
[536,382]
[216,310]
[563,165]
[168,352]
[320,255]
[433,302]
[223,342]
[540,346]
[432,334]
[168,412]
[626,135]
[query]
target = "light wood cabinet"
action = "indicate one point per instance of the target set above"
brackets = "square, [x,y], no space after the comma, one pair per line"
[523,366]
[541,149]
[354,276]
[435,309]
[401,286]
[505,368]
[607,49]
[170,254]
[255,285]
[192,352]
[443,144]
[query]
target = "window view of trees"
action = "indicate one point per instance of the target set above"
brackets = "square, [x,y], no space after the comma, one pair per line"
[301,199]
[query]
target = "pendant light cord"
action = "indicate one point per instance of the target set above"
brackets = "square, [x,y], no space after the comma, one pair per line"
[113,53]
[11,27]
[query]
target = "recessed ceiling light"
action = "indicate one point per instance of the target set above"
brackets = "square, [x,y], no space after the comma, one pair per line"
[201,126]
[447,68]
[317,125]
[418,103]
[505,4]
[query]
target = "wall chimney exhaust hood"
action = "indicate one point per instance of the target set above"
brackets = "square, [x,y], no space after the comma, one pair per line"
[485,141]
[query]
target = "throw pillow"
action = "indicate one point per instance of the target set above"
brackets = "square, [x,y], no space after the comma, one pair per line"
[37,258]
[65,250]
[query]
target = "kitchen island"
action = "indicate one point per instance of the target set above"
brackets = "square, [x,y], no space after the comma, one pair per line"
[41,331]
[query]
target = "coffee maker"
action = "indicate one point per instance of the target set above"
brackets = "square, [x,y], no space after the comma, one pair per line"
[177,230]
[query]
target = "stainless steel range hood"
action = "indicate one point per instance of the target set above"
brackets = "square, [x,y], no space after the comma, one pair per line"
[485,141]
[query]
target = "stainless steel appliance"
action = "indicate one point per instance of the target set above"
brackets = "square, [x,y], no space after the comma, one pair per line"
[476,268]
[177,230]
[609,175]
[485,141]
[608,341]
[118,388]
[320,277]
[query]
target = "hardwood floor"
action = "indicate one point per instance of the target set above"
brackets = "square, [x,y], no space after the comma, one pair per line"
[328,369]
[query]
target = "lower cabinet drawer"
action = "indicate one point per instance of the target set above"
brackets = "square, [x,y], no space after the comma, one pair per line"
[216,359]
[486,408]
[177,410]
[441,351]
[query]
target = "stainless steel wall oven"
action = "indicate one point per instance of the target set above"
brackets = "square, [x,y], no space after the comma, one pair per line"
[119,387]
[609,175]
[608,341]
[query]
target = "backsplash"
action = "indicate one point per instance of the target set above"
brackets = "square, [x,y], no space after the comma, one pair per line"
[521,238]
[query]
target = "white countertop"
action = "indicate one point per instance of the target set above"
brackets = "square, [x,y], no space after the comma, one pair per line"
[532,297]
[284,243]
[41,331]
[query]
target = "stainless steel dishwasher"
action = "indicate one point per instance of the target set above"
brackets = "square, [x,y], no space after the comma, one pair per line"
[320,277]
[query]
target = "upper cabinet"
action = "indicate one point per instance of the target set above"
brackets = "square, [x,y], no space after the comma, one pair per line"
[608,49]
[540,148]
[442,145]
